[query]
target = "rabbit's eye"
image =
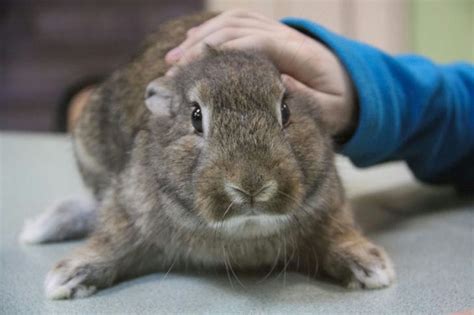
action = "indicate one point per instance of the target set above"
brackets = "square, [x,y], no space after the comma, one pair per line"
[196,117]
[285,114]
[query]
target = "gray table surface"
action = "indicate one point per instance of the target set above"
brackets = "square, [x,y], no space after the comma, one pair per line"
[427,231]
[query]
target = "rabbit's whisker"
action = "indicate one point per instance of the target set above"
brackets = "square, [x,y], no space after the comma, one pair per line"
[316,262]
[275,263]
[307,209]
[232,269]
[298,204]
[171,267]
[227,268]
[227,210]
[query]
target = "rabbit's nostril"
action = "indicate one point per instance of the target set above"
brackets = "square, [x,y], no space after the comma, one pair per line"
[236,194]
[267,191]
[261,194]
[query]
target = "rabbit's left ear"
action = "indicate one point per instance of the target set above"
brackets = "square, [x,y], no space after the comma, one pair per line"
[158,96]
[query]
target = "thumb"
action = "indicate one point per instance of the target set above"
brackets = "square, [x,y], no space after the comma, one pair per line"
[305,95]
[296,87]
[332,113]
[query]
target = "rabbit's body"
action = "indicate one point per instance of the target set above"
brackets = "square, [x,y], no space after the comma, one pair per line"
[242,189]
[105,133]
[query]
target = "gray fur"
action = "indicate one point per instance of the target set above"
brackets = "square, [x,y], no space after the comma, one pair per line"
[162,186]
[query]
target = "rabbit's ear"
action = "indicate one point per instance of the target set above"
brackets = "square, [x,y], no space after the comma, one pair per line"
[158,96]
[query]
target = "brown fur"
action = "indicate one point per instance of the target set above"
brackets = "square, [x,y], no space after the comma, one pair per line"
[161,185]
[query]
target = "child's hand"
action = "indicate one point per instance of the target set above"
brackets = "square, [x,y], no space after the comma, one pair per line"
[316,71]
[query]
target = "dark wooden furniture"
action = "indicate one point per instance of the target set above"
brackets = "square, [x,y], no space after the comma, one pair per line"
[48,45]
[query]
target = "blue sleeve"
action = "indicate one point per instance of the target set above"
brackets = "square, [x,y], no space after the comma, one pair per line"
[409,109]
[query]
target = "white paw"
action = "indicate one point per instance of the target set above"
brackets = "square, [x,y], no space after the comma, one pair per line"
[61,284]
[33,232]
[65,219]
[379,275]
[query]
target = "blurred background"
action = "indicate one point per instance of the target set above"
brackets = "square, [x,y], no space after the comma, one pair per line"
[50,49]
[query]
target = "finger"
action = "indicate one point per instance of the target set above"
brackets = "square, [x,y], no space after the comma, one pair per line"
[191,31]
[294,86]
[251,42]
[211,26]
[246,14]
[304,94]
[216,25]
[292,57]
[215,40]
[242,42]
[332,112]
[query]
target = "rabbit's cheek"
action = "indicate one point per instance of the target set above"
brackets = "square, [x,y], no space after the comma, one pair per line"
[182,158]
[209,198]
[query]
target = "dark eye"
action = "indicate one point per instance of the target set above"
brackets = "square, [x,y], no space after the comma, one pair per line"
[285,114]
[196,117]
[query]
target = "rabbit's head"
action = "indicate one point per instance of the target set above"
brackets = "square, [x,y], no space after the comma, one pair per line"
[232,147]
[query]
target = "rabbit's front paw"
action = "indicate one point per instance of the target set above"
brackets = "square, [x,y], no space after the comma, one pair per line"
[370,269]
[73,279]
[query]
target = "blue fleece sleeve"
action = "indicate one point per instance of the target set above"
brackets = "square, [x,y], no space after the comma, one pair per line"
[409,109]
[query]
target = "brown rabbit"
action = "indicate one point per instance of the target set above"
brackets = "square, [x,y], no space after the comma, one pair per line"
[221,169]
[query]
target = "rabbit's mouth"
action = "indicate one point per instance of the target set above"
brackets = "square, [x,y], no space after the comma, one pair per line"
[252,225]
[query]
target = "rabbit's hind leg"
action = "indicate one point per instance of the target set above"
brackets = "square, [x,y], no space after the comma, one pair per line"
[69,218]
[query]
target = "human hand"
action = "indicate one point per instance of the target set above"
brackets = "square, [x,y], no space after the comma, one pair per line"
[308,66]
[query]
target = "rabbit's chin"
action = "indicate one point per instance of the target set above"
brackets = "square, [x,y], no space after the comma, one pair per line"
[252,226]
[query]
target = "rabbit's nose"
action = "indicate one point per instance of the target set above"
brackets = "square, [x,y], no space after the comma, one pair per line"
[240,195]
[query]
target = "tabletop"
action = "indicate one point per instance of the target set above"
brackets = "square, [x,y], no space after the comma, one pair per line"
[427,231]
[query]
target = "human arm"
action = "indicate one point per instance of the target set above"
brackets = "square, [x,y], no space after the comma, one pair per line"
[405,108]
[409,109]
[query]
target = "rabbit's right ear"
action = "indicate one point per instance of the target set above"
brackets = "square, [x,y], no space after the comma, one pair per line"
[158,96]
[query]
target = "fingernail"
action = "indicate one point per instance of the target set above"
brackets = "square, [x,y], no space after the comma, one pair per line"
[174,54]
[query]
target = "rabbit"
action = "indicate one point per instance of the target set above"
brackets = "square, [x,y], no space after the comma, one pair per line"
[214,168]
